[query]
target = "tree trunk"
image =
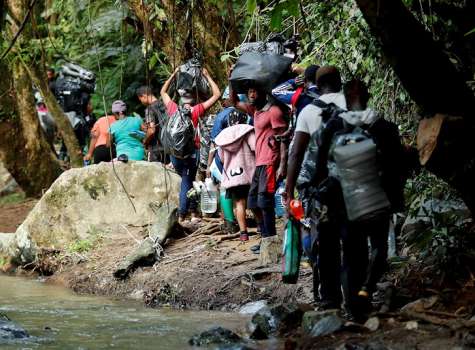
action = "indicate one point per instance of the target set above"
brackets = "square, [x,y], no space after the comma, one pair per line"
[424,69]
[177,35]
[23,147]
[64,126]
[434,84]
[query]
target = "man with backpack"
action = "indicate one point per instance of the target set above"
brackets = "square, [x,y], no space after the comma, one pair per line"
[183,147]
[327,245]
[155,118]
[376,198]
[271,157]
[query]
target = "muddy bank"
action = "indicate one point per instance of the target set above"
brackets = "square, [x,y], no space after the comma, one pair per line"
[200,272]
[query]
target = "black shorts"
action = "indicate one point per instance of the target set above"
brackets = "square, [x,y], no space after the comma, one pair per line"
[237,192]
[263,187]
[102,153]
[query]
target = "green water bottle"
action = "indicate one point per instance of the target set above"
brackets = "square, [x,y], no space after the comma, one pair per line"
[291,253]
[226,206]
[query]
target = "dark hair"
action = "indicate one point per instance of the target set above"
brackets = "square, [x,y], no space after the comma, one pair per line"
[51,70]
[144,91]
[311,73]
[356,88]
[328,77]
[237,117]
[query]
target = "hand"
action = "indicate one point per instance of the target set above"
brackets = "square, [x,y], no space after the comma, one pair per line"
[287,196]
[87,157]
[281,173]
[205,72]
[208,173]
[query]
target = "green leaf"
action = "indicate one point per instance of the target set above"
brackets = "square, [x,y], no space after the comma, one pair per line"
[293,7]
[276,17]
[251,5]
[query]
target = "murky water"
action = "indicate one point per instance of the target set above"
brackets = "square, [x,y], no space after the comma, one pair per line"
[60,319]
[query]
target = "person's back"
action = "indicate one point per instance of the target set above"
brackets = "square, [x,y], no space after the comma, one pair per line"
[126,143]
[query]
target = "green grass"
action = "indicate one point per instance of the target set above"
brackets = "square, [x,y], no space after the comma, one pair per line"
[12,198]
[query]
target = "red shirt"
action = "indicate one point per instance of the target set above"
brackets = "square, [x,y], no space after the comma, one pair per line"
[268,122]
[196,113]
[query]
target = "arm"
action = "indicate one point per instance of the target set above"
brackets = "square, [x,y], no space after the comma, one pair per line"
[284,91]
[164,91]
[214,89]
[282,170]
[211,154]
[92,146]
[149,129]
[297,153]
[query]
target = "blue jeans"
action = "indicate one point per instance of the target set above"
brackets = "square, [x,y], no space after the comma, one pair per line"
[187,169]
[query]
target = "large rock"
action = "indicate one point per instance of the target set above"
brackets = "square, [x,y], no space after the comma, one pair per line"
[423,217]
[278,319]
[91,200]
[327,325]
[215,335]
[10,330]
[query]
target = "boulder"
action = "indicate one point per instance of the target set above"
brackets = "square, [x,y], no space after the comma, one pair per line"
[215,335]
[277,319]
[311,318]
[91,201]
[327,325]
[252,307]
[444,209]
[10,331]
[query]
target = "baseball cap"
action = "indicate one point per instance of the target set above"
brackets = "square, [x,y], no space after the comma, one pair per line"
[119,106]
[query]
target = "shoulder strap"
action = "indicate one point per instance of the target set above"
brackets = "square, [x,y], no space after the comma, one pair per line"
[296,96]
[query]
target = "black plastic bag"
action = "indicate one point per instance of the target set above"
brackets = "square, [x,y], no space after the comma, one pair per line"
[260,70]
[189,80]
[178,136]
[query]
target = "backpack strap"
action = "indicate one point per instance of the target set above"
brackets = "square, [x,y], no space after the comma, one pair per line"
[296,96]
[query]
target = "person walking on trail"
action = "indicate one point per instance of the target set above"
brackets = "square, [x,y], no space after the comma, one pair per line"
[236,146]
[123,133]
[363,270]
[187,167]
[271,158]
[298,93]
[328,80]
[325,238]
[155,118]
[98,148]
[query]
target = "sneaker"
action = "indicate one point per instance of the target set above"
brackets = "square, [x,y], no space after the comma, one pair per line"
[256,249]
[244,237]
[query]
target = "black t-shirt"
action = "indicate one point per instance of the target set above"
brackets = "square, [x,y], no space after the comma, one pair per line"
[155,113]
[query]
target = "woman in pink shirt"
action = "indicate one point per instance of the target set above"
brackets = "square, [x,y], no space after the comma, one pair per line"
[98,145]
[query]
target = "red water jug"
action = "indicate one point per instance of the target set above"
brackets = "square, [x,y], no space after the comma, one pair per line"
[296,209]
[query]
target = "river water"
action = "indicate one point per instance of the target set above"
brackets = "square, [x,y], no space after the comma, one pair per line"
[59,319]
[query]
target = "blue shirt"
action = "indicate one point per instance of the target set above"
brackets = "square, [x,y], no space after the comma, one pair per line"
[285,91]
[122,131]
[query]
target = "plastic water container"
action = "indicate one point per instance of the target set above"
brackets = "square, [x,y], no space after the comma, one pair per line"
[279,200]
[209,197]
[226,206]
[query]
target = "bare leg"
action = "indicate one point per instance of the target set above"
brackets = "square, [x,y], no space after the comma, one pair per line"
[241,214]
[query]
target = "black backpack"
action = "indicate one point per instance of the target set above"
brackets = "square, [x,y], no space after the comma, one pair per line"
[178,135]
